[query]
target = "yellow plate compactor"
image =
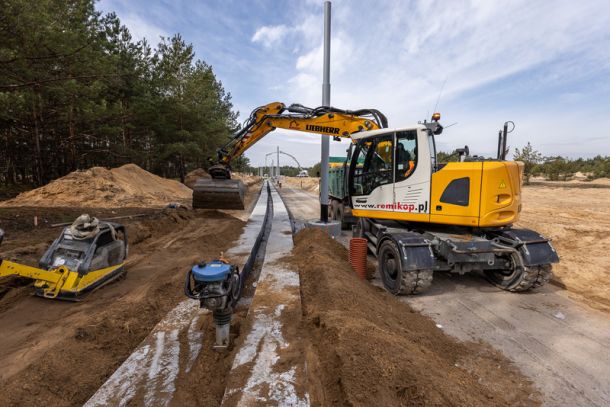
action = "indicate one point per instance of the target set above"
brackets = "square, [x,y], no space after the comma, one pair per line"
[87,255]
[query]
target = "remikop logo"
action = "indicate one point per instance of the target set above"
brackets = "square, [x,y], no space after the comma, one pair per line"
[397,206]
[322,129]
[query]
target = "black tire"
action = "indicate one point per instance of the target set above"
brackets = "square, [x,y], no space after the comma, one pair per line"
[520,278]
[337,211]
[341,217]
[396,280]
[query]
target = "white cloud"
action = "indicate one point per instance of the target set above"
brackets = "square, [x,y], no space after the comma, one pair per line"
[270,35]
[140,29]
[396,56]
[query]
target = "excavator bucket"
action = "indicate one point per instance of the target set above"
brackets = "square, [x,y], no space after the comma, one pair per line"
[218,194]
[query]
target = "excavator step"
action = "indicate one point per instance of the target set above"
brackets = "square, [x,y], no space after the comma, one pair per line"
[218,194]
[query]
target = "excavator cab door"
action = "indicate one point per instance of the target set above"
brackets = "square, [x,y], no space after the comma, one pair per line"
[371,177]
[390,176]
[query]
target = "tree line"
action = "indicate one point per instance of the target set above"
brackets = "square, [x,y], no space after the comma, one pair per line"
[557,168]
[553,168]
[76,91]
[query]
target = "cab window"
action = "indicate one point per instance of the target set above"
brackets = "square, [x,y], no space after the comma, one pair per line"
[406,154]
[377,168]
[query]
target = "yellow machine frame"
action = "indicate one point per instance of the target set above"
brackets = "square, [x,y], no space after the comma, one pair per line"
[61,280]
[495,186]
[267,118]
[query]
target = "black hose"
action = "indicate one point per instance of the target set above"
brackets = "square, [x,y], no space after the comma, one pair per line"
[188,291]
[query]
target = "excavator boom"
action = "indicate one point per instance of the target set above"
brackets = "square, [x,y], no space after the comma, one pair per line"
[222,192]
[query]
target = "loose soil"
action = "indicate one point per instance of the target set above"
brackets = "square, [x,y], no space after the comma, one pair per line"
[126,186]
[59,353]
[194,175]
[247,179]
[578,221]
[367,348]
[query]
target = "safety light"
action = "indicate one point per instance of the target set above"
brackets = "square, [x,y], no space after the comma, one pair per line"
[436,117]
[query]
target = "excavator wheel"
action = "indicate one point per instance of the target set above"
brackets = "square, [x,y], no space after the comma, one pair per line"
[396,280]
[520,278]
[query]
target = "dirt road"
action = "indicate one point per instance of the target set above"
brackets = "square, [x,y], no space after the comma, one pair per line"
[559,342]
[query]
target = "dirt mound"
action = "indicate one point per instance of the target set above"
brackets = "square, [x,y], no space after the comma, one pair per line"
[194,175]
[309,184]
[247,179]
[367,348]
[97,187]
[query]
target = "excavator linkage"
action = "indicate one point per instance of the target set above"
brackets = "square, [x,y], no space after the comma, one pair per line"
[221,192]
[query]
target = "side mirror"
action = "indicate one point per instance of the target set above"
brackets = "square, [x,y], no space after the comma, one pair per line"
[1,235]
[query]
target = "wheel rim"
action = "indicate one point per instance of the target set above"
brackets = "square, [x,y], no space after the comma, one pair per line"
[504,277]
[390,265]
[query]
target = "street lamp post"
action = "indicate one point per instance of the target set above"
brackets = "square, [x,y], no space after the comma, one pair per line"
[325,102]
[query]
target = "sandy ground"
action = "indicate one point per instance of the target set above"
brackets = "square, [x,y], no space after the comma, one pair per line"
[48,357]
[366,348]
[309,184]
[556,340]
[578,221]
[553,335]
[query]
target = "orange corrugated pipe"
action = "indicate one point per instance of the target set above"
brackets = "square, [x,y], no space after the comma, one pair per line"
[357,256]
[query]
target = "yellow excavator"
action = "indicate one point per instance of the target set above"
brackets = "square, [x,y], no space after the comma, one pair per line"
[418,215]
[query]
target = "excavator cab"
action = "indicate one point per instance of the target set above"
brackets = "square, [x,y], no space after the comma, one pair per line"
[400,180]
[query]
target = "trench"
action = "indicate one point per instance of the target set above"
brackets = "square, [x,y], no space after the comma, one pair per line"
[176,364]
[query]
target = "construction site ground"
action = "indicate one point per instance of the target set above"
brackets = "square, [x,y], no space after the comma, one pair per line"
[558,335]
[471,344]
[59,353]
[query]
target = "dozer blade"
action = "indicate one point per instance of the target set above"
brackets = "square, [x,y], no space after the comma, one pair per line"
[218,194]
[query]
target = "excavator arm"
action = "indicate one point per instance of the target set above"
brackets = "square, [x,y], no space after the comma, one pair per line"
[221,192]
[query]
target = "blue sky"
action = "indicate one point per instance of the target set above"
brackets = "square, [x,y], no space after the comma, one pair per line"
[543,64]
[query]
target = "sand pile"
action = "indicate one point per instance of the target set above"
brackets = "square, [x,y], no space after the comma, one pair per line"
[309,184]
[247,179]
[126,186]
[194,175]
[579,180]
[367,348]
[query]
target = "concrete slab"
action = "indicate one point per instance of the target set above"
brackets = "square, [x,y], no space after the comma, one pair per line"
[269,368]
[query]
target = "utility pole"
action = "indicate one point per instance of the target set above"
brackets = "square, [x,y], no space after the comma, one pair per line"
[325,102]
